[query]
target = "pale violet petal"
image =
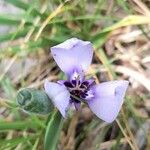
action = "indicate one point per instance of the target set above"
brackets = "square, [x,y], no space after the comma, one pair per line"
[73,54]
[59,96]
[69,44]
[109,97]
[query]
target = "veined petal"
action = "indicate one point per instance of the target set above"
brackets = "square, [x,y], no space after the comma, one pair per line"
[108,99]
[73,54]
[59,96]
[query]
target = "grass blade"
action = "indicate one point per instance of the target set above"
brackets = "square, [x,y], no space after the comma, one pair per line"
[17,125]
[11,20]
[53,131]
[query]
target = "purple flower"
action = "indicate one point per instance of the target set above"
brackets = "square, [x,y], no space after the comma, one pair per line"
[74,57]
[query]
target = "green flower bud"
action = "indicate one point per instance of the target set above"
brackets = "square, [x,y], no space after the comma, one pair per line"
[35,101]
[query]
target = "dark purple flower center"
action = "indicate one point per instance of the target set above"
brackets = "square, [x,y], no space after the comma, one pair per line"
[79,91]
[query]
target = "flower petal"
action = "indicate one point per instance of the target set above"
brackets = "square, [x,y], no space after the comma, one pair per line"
[59,96]
[108,99]
[73,54]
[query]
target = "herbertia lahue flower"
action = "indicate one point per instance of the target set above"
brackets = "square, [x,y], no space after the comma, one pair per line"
[74,57]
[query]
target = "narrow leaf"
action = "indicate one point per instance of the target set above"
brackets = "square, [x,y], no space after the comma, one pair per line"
[12,20]
[18,125]
[53,131]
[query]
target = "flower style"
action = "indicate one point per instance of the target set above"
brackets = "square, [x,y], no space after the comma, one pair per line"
[74,57]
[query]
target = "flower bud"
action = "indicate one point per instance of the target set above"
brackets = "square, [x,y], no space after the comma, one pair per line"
[34,101]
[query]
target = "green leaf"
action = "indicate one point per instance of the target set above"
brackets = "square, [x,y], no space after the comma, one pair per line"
[9,20]
[53,131]
[12,20]
[18,125]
